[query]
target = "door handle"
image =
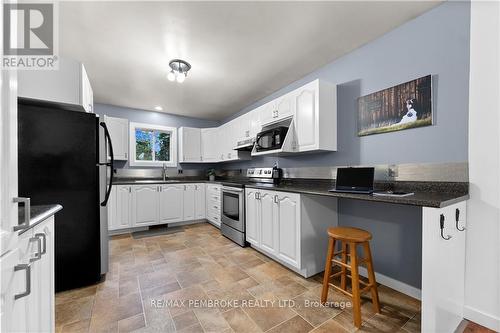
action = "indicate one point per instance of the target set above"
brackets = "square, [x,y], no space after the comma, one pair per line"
[27,213]
[38,255]
[27,268]
[112,155]
[44,241]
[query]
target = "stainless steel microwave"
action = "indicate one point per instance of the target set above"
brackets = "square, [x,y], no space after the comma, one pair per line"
[271,139]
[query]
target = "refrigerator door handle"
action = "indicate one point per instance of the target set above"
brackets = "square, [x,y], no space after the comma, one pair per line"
[110,164]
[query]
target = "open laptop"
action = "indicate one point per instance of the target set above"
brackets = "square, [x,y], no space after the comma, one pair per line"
[354,180]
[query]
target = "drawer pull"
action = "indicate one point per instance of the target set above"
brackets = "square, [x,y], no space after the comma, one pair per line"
[44,241]
[441,225]
[27,213]
[27,268]
[38,254]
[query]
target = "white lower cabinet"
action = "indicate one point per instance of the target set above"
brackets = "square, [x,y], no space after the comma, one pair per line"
[289,227]
[213,204]
[145,205]
[133,206]
[27,284]
[171,203]
[200,208]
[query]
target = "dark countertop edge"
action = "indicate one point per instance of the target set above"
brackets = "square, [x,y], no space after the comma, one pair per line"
[42,213]
[414,200]
[417,200]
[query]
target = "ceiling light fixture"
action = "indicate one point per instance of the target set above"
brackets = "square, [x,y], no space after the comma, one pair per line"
[158,108]
[179,69]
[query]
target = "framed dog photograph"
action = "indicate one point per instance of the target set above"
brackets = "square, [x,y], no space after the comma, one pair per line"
[407,105]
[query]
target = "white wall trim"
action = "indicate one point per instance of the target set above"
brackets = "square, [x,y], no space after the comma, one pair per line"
[486,319]
[394,284]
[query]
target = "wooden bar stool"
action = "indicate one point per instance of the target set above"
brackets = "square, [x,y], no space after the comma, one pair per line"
[350,237]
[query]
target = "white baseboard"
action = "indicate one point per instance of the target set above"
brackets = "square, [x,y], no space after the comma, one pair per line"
[394,284]
[482,318]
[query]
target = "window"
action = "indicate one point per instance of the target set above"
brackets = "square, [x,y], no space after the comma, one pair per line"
[153,145]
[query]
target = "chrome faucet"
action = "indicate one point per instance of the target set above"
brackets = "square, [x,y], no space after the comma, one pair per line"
[165,176]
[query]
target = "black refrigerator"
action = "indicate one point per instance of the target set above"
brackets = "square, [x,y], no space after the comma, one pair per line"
[64,157]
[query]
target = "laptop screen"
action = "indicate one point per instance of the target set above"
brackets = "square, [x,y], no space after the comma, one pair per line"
[355,179]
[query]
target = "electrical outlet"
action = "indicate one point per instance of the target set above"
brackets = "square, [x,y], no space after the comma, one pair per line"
[392,171]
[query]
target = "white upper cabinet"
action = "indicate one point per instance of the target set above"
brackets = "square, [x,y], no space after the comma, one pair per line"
[209,145]
[118,130]
[68,85]
[189,144]
[315,116]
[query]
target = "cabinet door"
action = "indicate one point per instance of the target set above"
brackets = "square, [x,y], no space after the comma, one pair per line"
[288,223]
[267,222]
[144,205]
[254,122]
[189,202]
[14,313]
[43,287]
[199,202]
[306,117]
[284,106]
[171,203]
[209,145]
[122,212]
[190,144]
[118,131]
[267,112]
[252,218]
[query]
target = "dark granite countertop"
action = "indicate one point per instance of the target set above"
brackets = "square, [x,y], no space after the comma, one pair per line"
[426,194]
[38,214]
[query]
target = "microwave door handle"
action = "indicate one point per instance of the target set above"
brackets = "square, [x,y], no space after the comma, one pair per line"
[108,164]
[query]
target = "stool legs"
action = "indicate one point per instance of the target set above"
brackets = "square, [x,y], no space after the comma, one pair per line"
[328,269]
[371,276]
[343,276]
[356,299]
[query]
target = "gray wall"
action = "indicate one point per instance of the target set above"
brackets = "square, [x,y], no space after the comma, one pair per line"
[150,117]
[435,43]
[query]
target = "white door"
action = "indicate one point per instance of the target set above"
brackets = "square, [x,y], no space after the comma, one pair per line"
[8,162]
[199,202]
[189,199]
[191,144]
[288,221]
[171,203]
[252,218]
[443,259]
[144,205]
[118,131]
[267,222]
[306,117]
[43,288]
[123,200]
[267,112]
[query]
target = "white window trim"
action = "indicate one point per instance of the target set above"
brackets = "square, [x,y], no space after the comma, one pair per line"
[173,145]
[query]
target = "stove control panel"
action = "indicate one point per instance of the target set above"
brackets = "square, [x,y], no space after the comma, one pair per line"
[260,173]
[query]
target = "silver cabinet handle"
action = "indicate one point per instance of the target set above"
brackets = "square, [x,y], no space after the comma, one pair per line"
[184,187]
[38,255]
[125,155]
[44,241]
[276,198]
[441,226]
[27,213]
[27,268]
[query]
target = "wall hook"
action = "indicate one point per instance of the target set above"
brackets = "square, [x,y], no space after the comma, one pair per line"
[441,225]
[457,218]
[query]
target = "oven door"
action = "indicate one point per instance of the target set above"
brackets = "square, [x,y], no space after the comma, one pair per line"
[232,213]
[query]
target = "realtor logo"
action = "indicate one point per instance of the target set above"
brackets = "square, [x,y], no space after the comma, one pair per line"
[29,36]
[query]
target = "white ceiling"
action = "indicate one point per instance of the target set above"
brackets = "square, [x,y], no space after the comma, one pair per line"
[240,51]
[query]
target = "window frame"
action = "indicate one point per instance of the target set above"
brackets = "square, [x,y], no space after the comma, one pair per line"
[173,145]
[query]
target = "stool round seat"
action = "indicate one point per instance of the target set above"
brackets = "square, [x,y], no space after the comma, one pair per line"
[349,234]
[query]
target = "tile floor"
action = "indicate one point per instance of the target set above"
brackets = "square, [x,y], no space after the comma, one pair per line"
[154,282]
